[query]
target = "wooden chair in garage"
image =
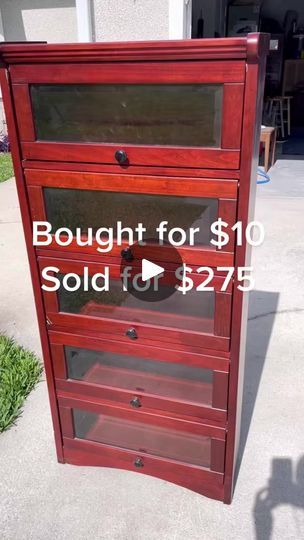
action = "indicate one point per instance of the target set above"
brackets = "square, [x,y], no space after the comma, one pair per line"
[268,138]
[279,113]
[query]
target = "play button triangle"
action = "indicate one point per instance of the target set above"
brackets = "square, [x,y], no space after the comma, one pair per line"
[150,269]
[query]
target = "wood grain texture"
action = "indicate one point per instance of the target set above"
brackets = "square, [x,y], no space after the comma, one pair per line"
[66,421]
[220,390]
[194,49]
[217,455]
[191,356]
[192,256]
[222,318]
[167,185]
[227,211]
[27,228]
[208,483]
[152,402]
[232,115]
[174,156]
[228,71]
[117,328]
[206,359]
[36,203]
[132,169]
[254,88]
[58,360]
[161,419]
[24,112]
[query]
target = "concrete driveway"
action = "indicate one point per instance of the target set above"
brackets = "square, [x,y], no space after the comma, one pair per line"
[40,499]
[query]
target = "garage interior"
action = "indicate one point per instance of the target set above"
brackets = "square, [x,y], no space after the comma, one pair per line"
[284,86]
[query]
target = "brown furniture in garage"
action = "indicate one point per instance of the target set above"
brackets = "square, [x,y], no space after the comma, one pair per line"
[268,137]
[98,131]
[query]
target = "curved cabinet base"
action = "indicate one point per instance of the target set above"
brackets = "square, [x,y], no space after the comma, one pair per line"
[208,483]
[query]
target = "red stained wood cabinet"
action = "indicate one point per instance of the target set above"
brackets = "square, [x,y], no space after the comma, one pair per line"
[143,132]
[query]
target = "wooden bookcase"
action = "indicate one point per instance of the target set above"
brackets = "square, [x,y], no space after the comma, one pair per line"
[103,130]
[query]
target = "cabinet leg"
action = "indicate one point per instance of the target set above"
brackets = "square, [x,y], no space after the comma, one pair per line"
[266,157]
[274,142]
[282,119]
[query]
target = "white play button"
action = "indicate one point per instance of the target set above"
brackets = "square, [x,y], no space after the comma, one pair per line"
[150,270]
[136,276]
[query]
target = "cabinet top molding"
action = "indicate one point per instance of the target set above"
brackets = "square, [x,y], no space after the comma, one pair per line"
[250,48]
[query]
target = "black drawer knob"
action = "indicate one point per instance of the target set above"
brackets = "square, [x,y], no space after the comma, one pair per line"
[131,333]
[121,156]
[138,463]
[135,402]
[127,254]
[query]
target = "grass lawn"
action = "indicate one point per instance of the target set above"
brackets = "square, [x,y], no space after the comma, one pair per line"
[20,370]
[6,167]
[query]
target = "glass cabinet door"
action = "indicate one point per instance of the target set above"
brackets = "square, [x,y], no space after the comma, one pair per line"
[140,375]
[97,201]
[192,311]
[141,114]
[199,318]
[134,435]
[74,208]
[164,114]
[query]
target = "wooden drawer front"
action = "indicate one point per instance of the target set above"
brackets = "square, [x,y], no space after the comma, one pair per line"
[94,200]
[168,438]
[141,376]
[87,453]
[199,318]
[171,114]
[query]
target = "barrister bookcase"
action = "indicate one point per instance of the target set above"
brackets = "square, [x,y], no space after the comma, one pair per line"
[140,132]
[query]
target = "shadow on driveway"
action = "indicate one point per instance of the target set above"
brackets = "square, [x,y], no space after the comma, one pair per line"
[281,489]
[262,311]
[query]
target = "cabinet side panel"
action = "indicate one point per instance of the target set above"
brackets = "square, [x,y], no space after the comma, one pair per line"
[254,88]
[26,221]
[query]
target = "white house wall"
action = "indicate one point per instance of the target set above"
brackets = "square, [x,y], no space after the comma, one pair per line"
[126,20]
[45,20]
